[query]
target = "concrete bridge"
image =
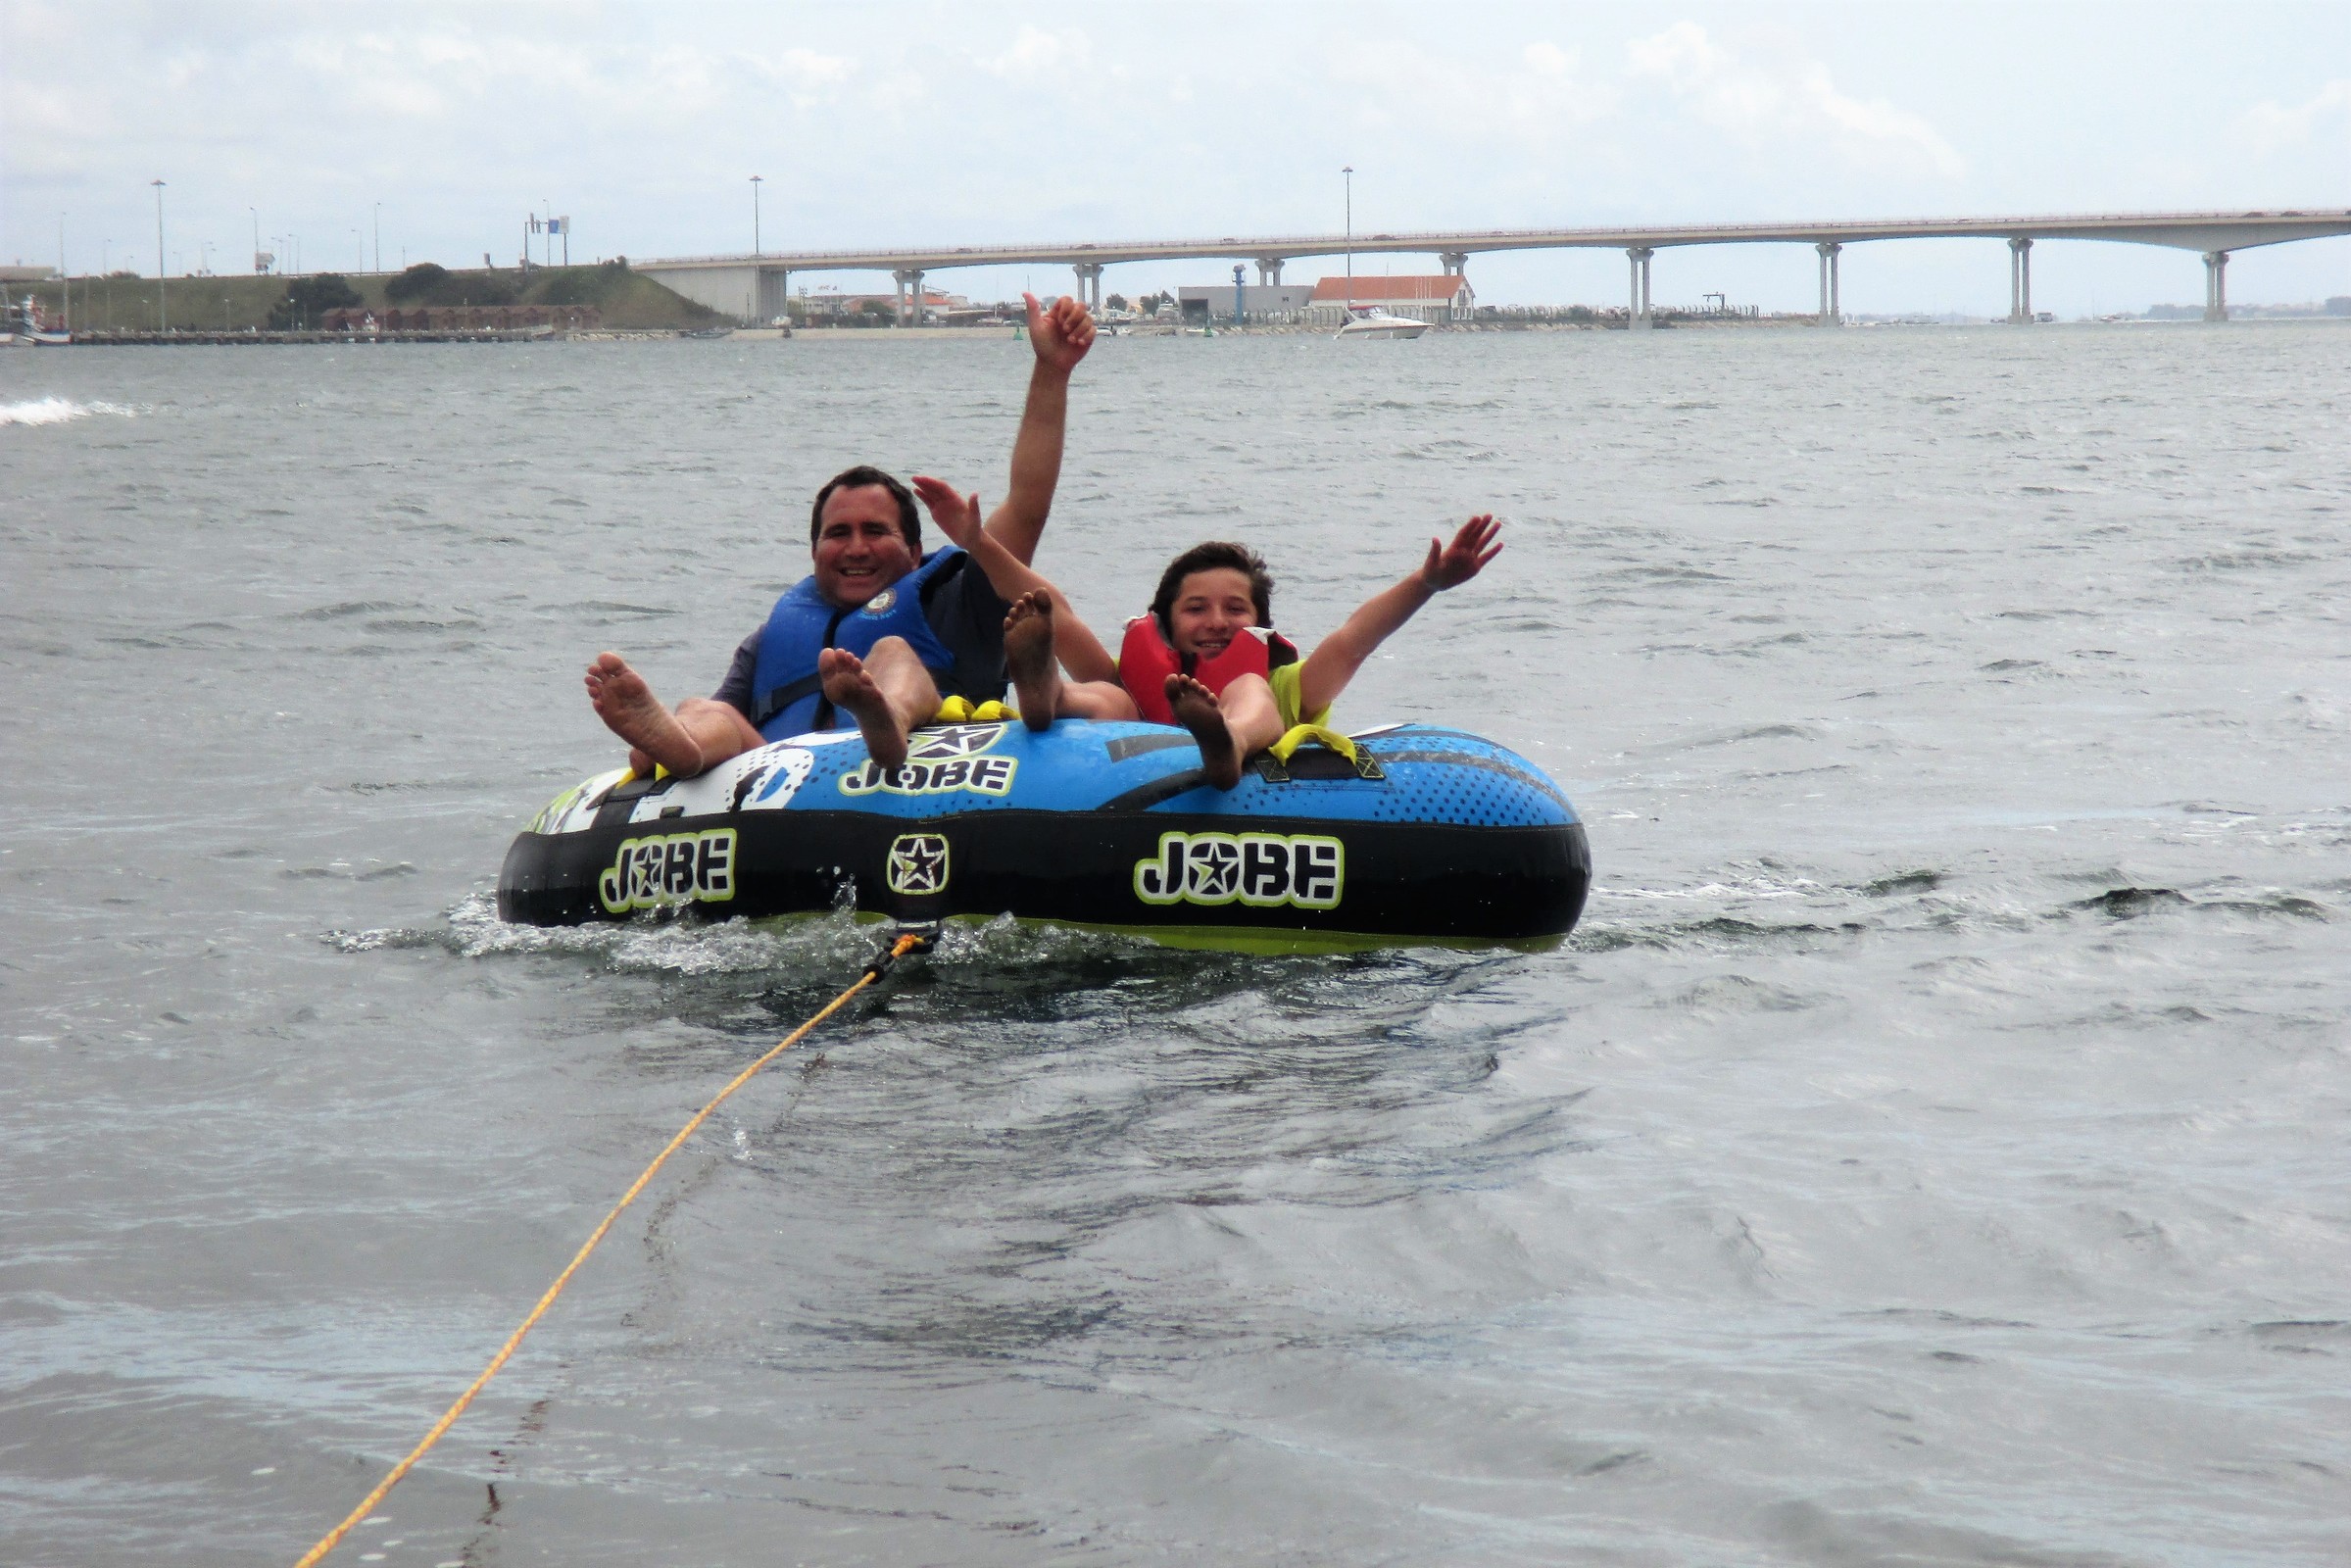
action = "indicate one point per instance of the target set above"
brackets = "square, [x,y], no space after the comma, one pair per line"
[754,287]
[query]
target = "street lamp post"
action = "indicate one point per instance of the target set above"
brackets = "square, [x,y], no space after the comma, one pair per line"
[379,236]
[1349,173]
[162,311]
[755,214]
[257,237]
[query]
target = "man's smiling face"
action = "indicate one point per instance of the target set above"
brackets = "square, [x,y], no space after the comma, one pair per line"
[859,550]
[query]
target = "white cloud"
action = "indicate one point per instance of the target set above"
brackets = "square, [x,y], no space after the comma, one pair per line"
[810,74]
[2270,125]
[440,51]
[1783,99]
[1538,97]
[1037,55]
[1548,58]
[401,96]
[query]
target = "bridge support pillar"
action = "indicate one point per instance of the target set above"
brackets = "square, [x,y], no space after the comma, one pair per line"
[1269,271]
[909,296]
[1453,262]
[1090,285]
[2020,281]
[2216,285]
[1639,256]
[773,294]
[1831,308]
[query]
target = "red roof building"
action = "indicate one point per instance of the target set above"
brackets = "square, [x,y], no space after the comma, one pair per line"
[1441,298]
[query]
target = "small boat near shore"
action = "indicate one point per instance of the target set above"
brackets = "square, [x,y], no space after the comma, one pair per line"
[26,326]
[1371,322]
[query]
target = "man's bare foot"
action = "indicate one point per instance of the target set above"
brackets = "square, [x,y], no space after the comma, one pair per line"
[848,687]
[1029,656]
[1197,711]
[630,710]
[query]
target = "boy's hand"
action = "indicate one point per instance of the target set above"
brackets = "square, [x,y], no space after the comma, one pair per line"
[958,516]
[1061,333]
[1451,565]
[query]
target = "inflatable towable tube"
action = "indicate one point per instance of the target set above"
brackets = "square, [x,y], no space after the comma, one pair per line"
[1424,835]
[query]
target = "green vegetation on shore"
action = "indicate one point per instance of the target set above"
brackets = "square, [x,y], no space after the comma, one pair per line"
[626,300]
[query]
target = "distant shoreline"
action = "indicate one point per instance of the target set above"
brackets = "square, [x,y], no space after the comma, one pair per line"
[938,335]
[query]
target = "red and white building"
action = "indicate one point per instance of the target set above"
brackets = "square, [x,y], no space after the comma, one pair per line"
[1439,299]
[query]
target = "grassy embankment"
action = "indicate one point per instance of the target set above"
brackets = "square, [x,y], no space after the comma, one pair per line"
[627,300]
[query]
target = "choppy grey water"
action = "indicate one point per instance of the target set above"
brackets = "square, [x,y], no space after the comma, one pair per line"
[1930,1149]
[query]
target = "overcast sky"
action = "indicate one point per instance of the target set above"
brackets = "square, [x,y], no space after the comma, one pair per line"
[969,121]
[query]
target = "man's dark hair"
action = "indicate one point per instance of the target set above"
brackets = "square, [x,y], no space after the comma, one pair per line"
[1210,556]
[908,523]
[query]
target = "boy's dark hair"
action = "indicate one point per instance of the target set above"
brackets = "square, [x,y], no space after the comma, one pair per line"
[909,524]
[1210,556]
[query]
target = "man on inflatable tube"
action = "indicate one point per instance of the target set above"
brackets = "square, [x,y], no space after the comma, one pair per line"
[878,631]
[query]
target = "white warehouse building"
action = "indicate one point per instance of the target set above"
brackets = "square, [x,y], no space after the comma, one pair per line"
[1259,302]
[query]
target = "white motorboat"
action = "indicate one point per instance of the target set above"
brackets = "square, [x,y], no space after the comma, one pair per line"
[24,326]
[1370,321]
[1366,321]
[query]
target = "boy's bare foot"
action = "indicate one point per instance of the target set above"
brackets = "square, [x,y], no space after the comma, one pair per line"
[851,690]
[630,710]
[1197,711]
[1029,656]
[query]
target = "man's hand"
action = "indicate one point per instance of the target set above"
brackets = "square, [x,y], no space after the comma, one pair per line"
[958,516]
[1451,565]
[1060,333]
[1060,336]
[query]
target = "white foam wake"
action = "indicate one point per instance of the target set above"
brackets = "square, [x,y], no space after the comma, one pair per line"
[54,410]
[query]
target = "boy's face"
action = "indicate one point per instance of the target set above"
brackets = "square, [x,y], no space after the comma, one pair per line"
[859,550]
[1212,608]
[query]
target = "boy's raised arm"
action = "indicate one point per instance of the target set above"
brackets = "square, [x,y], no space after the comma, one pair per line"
[1338,657]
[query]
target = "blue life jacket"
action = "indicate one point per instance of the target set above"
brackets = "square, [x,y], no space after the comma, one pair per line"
[786,698]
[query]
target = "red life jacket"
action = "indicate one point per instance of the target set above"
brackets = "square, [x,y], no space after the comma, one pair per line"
[1146,660]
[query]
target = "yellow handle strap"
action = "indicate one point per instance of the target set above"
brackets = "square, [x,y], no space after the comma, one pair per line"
[1299,734]
[962,711]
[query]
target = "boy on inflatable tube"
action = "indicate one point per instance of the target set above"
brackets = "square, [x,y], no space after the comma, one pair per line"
[1204,656]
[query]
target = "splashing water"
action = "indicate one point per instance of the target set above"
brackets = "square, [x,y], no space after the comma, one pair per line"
[54,410]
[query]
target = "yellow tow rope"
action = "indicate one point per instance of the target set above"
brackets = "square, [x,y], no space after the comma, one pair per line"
[906,944]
